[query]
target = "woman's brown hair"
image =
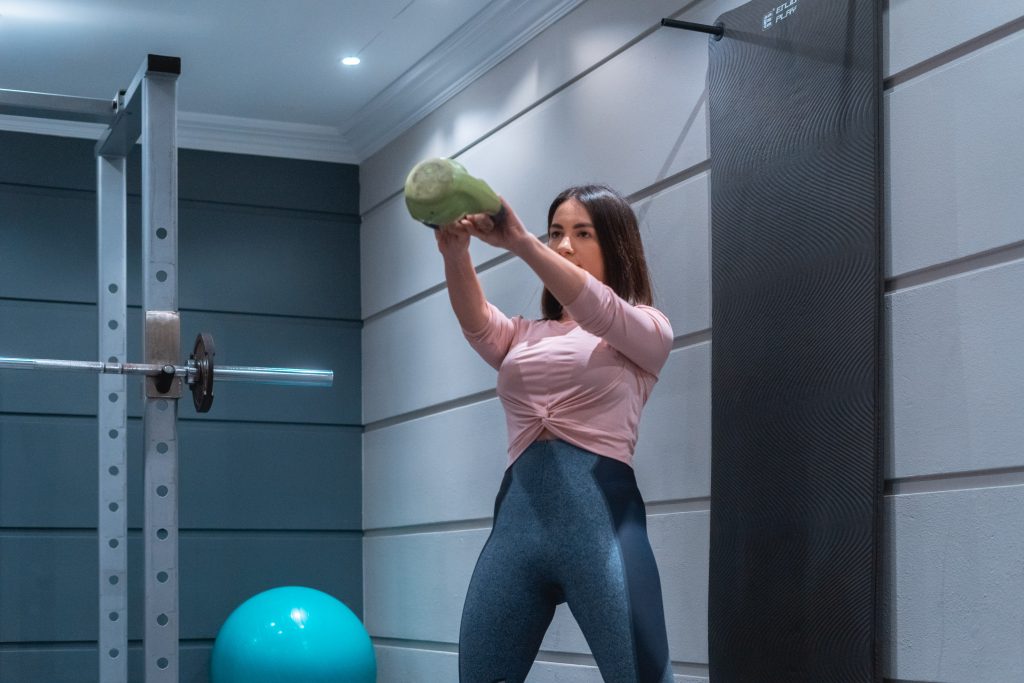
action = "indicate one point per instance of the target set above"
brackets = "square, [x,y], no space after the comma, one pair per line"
[618,234]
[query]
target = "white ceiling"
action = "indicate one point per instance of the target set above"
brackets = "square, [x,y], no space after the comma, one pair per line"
[266,74]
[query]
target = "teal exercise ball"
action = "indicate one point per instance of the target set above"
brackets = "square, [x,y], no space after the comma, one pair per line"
[293,634]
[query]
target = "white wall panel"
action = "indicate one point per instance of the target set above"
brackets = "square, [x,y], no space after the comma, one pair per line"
[448,466]
[957,372]
[919,29]
[673,452]
[613,138]
[956,159]
[409,665]
[440,468]
[956,586]
[416,356]
[415,665]
[675,225]
[415,585]
[589,34]
[619,125]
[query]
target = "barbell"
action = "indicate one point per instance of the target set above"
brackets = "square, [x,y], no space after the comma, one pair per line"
[198,372]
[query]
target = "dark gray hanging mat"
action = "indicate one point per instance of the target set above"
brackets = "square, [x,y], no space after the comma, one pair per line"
[794,98]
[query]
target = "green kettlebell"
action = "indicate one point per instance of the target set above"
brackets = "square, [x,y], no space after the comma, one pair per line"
[439,191]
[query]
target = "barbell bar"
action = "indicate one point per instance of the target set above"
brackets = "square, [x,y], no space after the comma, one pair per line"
[198,372]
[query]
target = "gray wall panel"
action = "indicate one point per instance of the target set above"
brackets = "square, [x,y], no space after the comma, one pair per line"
[956,159]
[957,373]
[956,586]
[49,578]
[919,29]
[232,258]
[239,179]
[48,474]
[55,664]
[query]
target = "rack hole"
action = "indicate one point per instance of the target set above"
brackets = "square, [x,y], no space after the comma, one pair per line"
[161,534]
[114,653]
[112,359]
[113,580]
[113,616]
[162,620]
[162,662]
[112,324]
[112,433]
[113,507]
[161,276]
[112,288]
[161,491]
[113,543]
[161,577]
[161,448]
[161,233]
[113,470]
[112,398]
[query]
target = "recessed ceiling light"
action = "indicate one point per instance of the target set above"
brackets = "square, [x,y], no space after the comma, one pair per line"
[350,61]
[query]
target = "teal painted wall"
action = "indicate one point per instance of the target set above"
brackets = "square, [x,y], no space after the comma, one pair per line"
[270,488]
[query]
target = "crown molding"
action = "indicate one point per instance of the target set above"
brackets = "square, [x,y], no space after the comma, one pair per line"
[216,133]
[493,34]
[238,135]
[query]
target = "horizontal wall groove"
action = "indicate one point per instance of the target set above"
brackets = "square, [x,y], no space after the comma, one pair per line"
[991,258]
[955,481]
[654,509]
[668,507]
[670,181]
[952,54]
[134,200]
[428,528]
[188,532]
[691,339]
[52,645]
[181,418]
[461,402]
[356,323]
[406,644]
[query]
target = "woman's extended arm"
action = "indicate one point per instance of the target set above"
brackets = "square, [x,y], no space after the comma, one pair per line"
[464,290]
[563,279]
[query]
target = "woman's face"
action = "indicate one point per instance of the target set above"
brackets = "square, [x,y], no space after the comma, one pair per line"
[572,235]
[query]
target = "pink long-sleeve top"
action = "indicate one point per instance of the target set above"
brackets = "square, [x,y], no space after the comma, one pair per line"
[586,379]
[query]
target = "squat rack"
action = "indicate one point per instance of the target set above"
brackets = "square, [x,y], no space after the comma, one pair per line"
[146,110]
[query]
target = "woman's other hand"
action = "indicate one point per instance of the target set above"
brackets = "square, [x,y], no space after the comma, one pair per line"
[503,230]
[452,239]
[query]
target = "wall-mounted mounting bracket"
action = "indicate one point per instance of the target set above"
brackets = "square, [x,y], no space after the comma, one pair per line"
[717,30]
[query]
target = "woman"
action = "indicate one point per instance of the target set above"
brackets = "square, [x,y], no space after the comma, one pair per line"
[569,522]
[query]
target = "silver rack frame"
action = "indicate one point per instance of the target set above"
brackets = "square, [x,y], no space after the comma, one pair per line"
[147,109]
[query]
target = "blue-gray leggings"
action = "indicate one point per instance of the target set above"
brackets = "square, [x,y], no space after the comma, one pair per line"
[569,526]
